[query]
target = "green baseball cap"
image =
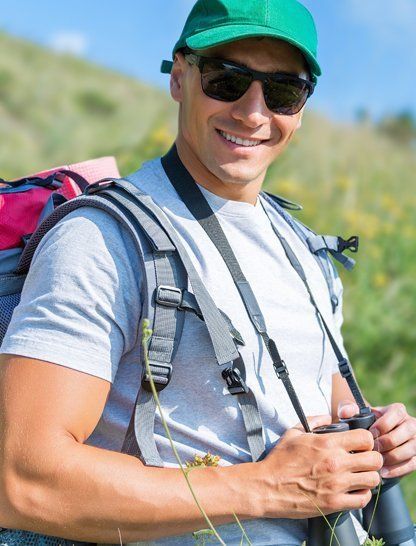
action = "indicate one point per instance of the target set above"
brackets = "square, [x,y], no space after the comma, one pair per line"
[215,22]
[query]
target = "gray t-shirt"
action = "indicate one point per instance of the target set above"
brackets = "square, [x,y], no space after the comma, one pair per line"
[81,306]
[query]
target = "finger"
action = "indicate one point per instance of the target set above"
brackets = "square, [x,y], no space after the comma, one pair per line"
[347,409]
[399,470]
[315,421]
[363,462]
[354,440]
[393,415]
[354,501]
[401,454]
[403,433]
[378,410]
[362,480]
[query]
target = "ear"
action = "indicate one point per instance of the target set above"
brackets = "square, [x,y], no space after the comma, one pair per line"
[176,77]
[299,124]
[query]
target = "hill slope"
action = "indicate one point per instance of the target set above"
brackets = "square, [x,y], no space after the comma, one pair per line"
[56,109]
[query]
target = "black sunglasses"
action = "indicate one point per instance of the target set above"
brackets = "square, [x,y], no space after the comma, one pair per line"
[223,80]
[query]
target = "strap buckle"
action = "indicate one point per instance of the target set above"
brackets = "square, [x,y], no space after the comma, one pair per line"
[235,383]
[170,296]
[280,368]
[98,186]
[161,375]
[344,368]
[348,244]
[278,364]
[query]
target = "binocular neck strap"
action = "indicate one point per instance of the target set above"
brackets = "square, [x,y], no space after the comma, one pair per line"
[195,201]
[343,363]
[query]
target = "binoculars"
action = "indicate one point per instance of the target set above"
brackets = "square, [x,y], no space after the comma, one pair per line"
[388,515]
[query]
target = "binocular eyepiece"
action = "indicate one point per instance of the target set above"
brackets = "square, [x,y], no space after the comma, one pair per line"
[388,514]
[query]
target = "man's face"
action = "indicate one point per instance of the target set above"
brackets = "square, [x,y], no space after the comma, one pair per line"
[203,120]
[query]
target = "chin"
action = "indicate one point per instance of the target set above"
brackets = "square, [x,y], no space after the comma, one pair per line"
[237,175]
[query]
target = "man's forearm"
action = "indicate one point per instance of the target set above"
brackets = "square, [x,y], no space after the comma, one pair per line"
[90,494]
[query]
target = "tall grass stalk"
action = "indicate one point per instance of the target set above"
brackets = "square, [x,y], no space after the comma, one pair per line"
[243,532]
[147,332]
[333,535]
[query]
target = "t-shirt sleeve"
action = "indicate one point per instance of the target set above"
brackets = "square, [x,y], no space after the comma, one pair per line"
[81,301]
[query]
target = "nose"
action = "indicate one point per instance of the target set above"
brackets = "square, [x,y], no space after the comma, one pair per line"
[251,108]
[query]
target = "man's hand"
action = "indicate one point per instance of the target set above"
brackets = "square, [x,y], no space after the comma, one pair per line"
[394,433]
[309,473]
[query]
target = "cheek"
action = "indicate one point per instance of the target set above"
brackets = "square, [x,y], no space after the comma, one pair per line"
[286,126]
[202,114]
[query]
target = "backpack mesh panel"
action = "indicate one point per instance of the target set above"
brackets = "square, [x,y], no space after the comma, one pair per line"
[11,537]
[7,305]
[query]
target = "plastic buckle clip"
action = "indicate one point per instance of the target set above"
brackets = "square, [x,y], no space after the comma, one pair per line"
[98,186]
[344,368]
[161,375]
[280,368]
[235,383]
[350,244]
[170,296]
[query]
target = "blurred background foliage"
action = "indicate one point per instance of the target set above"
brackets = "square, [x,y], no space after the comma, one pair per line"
[356,178]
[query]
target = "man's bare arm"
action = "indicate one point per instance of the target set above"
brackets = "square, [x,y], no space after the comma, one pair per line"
[53,483]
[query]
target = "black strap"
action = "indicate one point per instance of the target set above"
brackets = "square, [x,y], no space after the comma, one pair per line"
[193,198]
[53,181]
[343,364]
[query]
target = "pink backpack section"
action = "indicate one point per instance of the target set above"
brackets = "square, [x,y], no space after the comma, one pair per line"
[23,202]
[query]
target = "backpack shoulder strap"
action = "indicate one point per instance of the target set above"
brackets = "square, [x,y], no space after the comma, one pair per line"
[167,269]
[164,281]
[321,246]
[220,329]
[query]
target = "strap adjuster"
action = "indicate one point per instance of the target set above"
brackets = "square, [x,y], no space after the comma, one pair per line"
[344,368]
[98,186]
[350,244]
[161,375]
[235,383]
[170,296]
[280,368]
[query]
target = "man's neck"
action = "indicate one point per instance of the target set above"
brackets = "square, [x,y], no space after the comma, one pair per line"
[232,192]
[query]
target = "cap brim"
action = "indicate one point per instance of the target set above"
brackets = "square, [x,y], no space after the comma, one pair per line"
[231,33]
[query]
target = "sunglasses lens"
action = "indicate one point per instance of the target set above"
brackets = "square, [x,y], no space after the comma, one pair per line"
[223,82]
[286,96]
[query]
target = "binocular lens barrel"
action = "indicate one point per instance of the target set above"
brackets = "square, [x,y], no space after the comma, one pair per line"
[320,534]
[392,521]
[341,528]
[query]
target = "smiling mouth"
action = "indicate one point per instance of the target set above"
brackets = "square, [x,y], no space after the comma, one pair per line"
[247,143]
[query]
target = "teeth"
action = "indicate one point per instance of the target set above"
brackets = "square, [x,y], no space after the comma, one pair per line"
[240,141]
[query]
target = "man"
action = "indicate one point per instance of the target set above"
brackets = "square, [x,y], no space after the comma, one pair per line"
[70,369]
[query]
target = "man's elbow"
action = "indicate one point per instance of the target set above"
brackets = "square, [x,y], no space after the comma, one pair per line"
[11,501]
[21,493]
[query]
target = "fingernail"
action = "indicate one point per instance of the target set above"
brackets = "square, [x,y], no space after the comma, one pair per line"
[375,432]
[384,473]
[347,409]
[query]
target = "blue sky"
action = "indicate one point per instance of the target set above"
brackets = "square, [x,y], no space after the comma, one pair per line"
[367,47]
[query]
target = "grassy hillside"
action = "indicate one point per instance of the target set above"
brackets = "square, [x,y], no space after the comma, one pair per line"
[56,109]
[351,180]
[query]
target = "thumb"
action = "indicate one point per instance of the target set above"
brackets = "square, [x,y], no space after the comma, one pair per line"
[315,421]
[347,408]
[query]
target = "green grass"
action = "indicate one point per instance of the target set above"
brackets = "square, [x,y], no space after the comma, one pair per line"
[351,180]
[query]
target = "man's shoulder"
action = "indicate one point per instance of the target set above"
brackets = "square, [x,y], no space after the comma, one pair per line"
[152,179]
